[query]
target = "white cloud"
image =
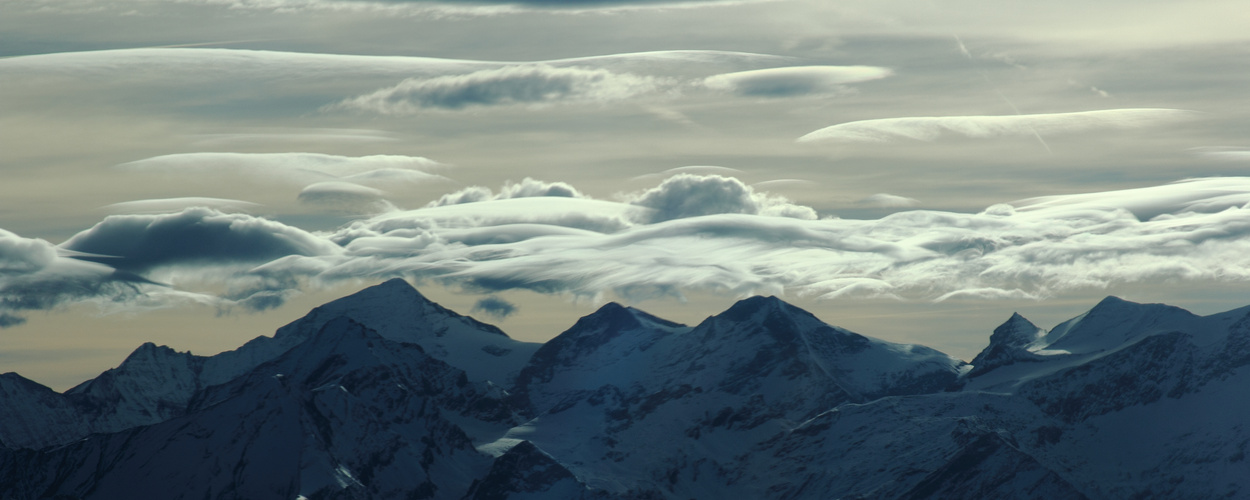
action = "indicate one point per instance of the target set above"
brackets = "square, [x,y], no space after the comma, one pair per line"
[886,200]
[531,84]
[265,137]
[933,128]
[527,188]
[794,80]
[689,233]
[297,168]
[1230,154]
[166,205]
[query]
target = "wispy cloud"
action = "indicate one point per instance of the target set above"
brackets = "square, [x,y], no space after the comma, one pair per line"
[932,128]
[886,200]
[794,80]
[514,85]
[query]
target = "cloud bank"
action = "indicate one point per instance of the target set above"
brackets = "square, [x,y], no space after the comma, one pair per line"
[688,233]
[980,127]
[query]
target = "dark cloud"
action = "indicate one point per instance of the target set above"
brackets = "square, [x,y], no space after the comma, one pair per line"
[794,81]
[494,307]
[521,84]
[42,292]
[195,235]
[9,320]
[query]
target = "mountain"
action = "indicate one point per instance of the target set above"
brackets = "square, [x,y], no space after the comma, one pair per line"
[384,394]
[623,398]
[156,383]
[345,414]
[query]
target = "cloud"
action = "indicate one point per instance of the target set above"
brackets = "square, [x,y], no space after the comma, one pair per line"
[9,320]
[979,127]
[1229,154]
[194,236]
[530,84]
[885,200]
[345,197]
[527,188]
[494,307]
[268,137]
[687,195]
[1203,195]
[296,168]
[690,169]
[688,233]
[477,8]
[166,205]
[178,66]
[36,275]
[795,80]
[435,8]
[783,183]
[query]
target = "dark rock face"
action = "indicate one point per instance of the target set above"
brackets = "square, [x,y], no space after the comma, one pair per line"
[990,466]
[1008,344]
[525,469]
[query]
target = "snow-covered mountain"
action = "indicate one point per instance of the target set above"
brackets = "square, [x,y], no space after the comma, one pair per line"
[384,394]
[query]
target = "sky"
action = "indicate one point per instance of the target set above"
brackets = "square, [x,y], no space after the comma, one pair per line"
[196,173]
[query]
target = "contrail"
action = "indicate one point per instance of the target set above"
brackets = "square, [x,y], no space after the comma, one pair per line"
[963,49]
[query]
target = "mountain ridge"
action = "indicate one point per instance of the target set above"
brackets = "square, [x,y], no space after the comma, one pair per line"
[382,394]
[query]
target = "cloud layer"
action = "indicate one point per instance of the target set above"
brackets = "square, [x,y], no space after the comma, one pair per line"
[980,127]
[688,233]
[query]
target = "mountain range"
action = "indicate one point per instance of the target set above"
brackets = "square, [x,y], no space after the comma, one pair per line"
[386,395]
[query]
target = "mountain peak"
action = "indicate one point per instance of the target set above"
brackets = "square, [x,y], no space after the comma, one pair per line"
[614,317]
[392,290]
[1009,344]
[1112,323]
[750,306]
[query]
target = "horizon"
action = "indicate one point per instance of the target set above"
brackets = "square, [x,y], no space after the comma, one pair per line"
[196,174]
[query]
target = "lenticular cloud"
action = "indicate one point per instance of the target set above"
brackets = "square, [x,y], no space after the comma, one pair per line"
[523,84]
[689,233]
[930,128]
